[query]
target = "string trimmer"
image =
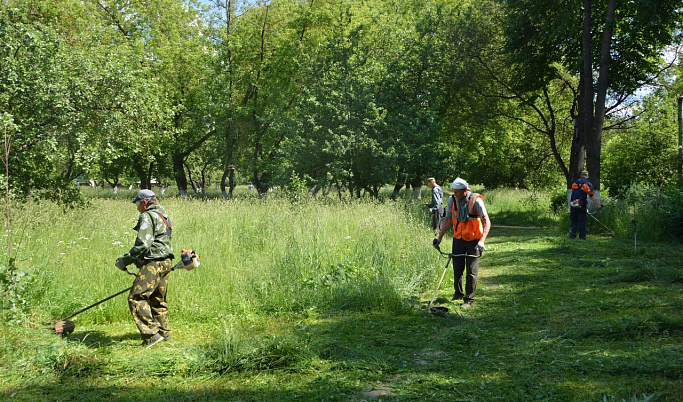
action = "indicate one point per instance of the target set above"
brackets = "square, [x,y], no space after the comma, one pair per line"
[189,260]
[592,215]
[442,309]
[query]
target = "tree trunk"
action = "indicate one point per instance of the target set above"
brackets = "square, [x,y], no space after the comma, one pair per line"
[229,177]
[586,93]
[416,185]
[327,188]
[225,194]
[114,183]
[374,190]
[179,172]
[591,102]
[144,176]
[231,181]
[400,182]
[397,189]
[229,170]
[194,186]
[594,142]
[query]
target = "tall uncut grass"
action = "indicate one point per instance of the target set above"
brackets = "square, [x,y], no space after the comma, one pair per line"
[267,255]
[272,255]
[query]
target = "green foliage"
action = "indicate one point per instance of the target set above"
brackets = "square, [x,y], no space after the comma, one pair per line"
[646,213]
[341,134]
[646,153]
[22,289]
[519,207]
[612,47]
[36,103]
[13,283]
[296,189]
[656,212]
[346,95]
[71,99]
[558,201]
[541,33]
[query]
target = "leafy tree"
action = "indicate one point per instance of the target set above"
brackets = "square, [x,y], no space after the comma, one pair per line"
[613,47]
[255,85]
[414,88]
[342,138]
[222,95]
[646,152]
[37,103]
[474,115]
[182,51]
[163,46]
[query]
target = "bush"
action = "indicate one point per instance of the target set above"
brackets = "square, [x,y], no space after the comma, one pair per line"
[558,201]
[655,213]
[672,208]
[12,287]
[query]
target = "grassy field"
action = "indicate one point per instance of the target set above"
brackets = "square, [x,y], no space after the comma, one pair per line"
[324,300]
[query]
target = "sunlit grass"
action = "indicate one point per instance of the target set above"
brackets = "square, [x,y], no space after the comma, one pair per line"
[265,254]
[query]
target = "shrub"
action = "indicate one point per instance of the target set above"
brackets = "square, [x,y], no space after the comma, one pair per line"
[656,213]
[672,209]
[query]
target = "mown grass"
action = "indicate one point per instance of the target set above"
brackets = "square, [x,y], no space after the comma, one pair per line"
[325,301]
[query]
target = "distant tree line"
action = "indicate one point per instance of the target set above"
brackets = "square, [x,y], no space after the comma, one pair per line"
[337,95]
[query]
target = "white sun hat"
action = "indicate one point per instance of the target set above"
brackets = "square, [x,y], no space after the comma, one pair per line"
[459,184]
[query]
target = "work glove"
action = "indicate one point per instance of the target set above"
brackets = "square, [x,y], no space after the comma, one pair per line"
[600,207]
[120,265]
[480,247]
[436,242]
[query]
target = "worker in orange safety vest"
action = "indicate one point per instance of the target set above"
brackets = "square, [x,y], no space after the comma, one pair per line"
[466,214]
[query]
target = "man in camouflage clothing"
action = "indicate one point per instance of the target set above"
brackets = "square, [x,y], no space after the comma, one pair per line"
[152,253]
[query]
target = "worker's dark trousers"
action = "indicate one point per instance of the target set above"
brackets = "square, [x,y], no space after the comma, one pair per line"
[577,217]
[437,218]
[147,299]
[460,263]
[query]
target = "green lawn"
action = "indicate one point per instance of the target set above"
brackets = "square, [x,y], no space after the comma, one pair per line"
[555,319]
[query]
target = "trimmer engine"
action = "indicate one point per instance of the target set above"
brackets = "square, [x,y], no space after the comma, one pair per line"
[189,260]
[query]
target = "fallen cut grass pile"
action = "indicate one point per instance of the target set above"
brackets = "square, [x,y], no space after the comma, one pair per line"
[325,301]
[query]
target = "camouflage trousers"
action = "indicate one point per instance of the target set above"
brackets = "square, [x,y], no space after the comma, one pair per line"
[147,299]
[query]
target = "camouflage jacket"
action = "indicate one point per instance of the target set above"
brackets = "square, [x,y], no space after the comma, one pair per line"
[154,237]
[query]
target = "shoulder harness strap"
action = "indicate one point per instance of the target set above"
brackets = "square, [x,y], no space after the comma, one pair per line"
[168,228]
[160,215]
[470,205]
[472,198]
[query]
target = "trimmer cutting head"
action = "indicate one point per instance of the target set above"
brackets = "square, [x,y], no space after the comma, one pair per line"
[64,327]
[438,310]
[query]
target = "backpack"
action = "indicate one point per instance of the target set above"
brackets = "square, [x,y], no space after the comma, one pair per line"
[576,200]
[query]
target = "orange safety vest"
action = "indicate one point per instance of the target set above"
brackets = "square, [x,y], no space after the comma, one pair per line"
[471,229]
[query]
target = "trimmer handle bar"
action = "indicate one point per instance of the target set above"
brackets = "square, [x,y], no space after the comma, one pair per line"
[451,255]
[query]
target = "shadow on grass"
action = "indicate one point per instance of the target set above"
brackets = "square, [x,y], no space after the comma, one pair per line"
[100,339]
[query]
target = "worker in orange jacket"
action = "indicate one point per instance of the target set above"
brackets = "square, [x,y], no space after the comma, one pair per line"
[466,214]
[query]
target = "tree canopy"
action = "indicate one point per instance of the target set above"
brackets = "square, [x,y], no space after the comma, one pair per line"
[347,96]
[613,48]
